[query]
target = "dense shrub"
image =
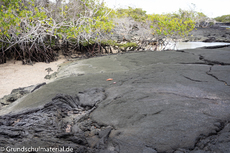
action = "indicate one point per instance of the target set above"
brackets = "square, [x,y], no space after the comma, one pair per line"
[168,26]
[29,29]
[35,30]
[26,32]
[200,19]
[223,18]
[136,13]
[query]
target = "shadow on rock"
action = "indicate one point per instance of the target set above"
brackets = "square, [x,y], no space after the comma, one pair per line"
[61,123]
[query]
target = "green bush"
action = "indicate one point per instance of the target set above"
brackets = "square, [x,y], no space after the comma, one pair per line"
[168,26]
[136,13]
[30,30]
[24,31]
[223,18]
[27,28]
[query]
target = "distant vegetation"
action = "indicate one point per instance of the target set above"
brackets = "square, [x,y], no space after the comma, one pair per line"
[223,18]
[36,30]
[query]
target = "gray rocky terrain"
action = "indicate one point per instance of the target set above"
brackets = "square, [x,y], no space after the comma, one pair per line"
[157,102]
[209,34]
[215,33]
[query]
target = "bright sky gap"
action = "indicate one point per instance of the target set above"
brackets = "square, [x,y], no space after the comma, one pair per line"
[211,8]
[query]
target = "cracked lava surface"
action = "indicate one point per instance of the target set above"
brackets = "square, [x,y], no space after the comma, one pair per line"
[166,102]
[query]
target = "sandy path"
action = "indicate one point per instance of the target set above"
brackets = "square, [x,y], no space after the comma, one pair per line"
[14,75]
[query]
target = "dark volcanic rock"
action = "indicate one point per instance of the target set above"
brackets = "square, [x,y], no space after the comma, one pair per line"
[210,34]
[90,97]
[18,93]
[170,107]
[52,124]
[166,102]
[215,143]
[211,39]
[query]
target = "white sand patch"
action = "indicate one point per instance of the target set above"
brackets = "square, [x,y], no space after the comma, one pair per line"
[14,75]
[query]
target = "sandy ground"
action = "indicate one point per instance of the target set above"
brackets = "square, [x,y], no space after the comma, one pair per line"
[14,75]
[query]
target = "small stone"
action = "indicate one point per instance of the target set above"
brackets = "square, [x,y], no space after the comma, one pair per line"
[149,150]
[47,76]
